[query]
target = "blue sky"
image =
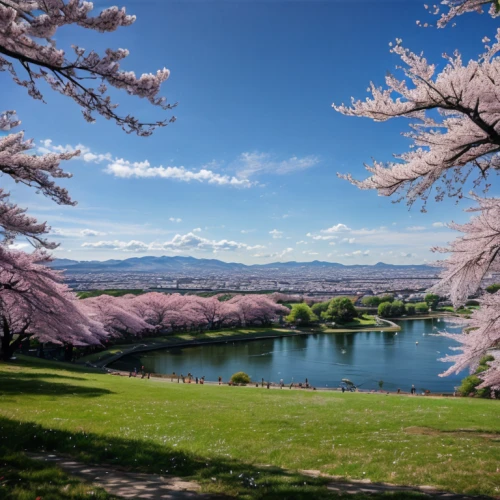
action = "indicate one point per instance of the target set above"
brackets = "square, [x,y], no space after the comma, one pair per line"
[247,173]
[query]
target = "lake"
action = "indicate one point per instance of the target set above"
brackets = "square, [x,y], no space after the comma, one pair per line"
[325,359]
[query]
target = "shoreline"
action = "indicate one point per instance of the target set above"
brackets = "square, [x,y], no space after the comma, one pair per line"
[165,378]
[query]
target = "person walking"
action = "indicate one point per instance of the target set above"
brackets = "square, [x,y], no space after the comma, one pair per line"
[220,380]
[413,390]
[281,384]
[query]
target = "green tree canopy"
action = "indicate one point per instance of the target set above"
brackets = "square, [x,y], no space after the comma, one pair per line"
[376,300]
[432,300]
[340,310]
[319,308]
[410,309]
[421,307]
[301,313]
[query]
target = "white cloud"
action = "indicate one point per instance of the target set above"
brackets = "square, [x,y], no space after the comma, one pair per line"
[127,169]
[336,229]
[321,237]
[348,240]
[301,242]
[332,243]
[173,219]
[307,252]
[91,232]
[249,164]
[85,153]
[438,224]
[179,243]
[276,234]
[415,228]
[120,167]
[19,246]
[197,230]
[246,231]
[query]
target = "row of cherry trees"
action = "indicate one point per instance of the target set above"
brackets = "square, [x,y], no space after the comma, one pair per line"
[455,134]
[155,312]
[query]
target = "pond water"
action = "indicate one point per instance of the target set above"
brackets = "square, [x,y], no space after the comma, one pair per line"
[325,359]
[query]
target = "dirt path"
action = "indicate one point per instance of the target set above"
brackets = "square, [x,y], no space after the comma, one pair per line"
[127,484]
[153,487]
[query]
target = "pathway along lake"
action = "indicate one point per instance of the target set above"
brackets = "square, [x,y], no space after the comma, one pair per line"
[325,359]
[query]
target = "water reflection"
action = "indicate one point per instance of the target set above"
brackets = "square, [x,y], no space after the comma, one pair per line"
[363,357]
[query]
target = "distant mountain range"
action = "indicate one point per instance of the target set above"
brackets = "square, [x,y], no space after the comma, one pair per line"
[192,265]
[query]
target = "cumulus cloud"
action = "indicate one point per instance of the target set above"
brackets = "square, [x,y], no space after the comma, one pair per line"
[173,219]
[249,164]
[438,224]
[348,240]
[178,243]
[301,242]
[276,234]
[338,228]
[143,169]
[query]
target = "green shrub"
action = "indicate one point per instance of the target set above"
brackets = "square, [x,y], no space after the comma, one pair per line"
[302,314]
[340,310]
[240,378]
[422,307]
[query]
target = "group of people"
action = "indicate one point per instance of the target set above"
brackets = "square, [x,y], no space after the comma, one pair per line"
[190,378]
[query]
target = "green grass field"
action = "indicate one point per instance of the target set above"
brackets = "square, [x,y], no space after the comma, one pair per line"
[222,436]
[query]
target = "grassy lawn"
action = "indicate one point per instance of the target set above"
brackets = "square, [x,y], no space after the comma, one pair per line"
[364,320]
[224,436]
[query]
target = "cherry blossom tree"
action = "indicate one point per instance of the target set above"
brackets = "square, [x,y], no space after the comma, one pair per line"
[34,303]
[257,309]
[455,135]
[115,315]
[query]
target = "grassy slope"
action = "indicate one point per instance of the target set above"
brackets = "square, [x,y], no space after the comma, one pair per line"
[221,432]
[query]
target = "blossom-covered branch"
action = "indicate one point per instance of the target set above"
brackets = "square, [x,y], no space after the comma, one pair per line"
[458,7]
[473,254]
[481,335]
[31,170]
[27,31]
[466,138]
